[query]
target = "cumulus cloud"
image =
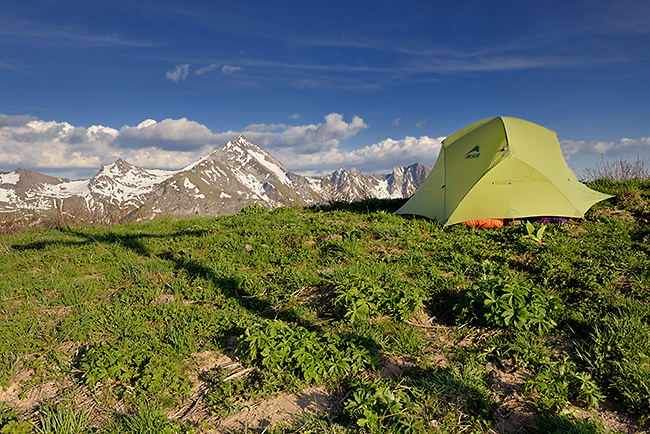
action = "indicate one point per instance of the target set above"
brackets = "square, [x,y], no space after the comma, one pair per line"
[171,143]
[58,146]
[583,154]
[180,72]
[306,138]
[14,121]
[380,157]
[629,147]
[53,145]
[170,134]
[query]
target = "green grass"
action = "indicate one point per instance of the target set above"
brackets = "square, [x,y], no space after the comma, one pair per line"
[319,297]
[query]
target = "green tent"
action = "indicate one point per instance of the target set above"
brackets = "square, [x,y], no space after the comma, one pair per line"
[500,168]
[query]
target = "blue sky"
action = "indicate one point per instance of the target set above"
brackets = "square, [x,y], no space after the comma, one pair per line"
[365,84]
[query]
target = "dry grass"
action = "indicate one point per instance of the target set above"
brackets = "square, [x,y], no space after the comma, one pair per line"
[618,170]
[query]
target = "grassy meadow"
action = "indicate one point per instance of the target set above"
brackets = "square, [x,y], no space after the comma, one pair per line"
[398,325]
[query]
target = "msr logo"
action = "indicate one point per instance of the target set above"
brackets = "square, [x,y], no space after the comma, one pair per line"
[474,153]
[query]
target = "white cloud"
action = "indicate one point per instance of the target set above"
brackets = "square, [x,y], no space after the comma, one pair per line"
[53,145]
[170,144]
[396,121]
[171,134]
[305,138]
[377,158]
[228,69]
[421,123]
[295,116]
[14,121]
[205,69]
[180,72]
[57,146]
[624,147]
[582,154]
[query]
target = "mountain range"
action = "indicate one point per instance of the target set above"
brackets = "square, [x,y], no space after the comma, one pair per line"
[223,182]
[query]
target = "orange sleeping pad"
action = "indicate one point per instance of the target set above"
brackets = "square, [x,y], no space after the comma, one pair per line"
[484,223]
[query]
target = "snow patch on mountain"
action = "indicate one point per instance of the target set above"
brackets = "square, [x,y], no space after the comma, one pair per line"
[273,168]
[9,178]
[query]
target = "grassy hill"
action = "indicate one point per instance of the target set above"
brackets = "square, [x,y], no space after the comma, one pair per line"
[364,320]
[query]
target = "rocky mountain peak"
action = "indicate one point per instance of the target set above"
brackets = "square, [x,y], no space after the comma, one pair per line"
[117,167]
[239,145]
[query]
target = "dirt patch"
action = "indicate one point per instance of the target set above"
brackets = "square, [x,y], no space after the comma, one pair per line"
[615,213]
[612,420]
[384,252]
[209,360]
[26,394]
[257,414]
[514,413]
[283,408]
[322,298]
[393,367]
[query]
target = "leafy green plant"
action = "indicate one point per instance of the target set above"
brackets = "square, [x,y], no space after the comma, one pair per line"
[558,384]
[358,297]
[9,422]
[361,297]
[502,303]
[277,346]
[377,407]
[531,234]
[152,370]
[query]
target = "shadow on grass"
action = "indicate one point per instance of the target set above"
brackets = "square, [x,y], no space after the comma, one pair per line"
[563,424]
[457,389]
[443,306]
[231,286]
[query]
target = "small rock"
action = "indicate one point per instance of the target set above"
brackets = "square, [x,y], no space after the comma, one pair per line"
[164,299]
[330,237]
[578,231]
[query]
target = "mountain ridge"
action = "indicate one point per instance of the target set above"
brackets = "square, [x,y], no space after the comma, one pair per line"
[222,182]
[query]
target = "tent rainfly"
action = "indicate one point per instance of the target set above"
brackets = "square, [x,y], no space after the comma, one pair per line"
[500,168]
